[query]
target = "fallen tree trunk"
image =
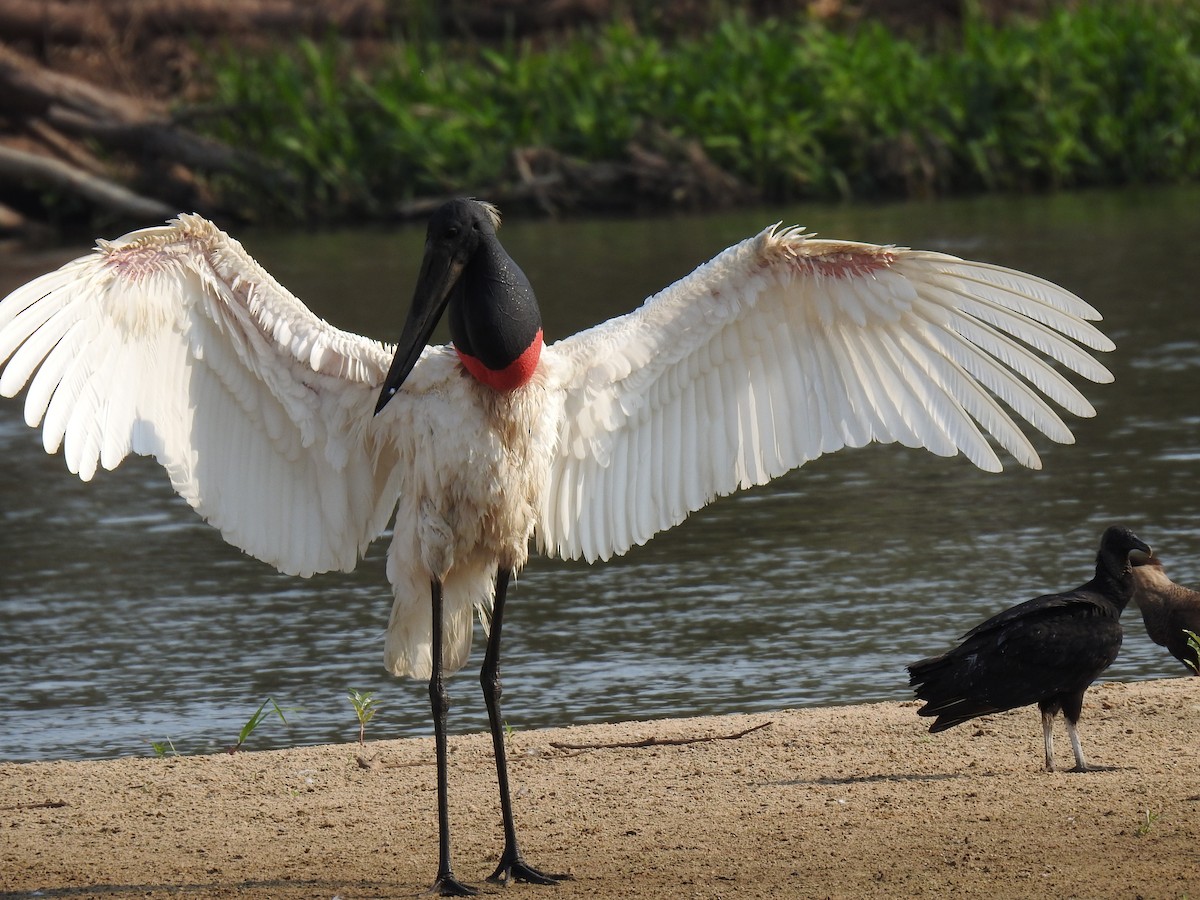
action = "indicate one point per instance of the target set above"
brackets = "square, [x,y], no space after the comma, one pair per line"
[119,153]
[68,23]
[154,139]
[30,89]
[139,20]
[18,165]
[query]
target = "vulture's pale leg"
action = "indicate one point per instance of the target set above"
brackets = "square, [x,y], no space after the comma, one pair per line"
[1073,732]
[1048,738]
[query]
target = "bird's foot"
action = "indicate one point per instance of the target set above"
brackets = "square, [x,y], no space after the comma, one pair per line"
[449,886]
[514,868]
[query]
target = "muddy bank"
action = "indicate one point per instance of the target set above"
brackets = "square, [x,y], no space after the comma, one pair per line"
[840,802]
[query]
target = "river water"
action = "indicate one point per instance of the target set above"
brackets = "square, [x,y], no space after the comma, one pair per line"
[124,620]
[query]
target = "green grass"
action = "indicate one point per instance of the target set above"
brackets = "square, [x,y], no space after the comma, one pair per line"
[164,748]
[1148,823]
[1107,94]
[256,719]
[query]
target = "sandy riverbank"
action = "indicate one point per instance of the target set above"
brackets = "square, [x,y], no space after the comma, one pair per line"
[840,802]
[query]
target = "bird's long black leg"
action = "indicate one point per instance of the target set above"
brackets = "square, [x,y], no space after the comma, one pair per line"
[446,884]
[512,863]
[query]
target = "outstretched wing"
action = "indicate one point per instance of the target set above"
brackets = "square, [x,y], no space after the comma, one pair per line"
[785,347]
[173,342]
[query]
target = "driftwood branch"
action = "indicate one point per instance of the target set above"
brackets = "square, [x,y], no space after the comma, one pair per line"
[113,119]
[97,23]
[46,20]
[151,138]
[659,170]
[659,742]
[30,88]
[44,804]
[18,165]
[373,762]
[142,20]
[53,122]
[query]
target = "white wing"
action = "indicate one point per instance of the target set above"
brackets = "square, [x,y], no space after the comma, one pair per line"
[173,342]
[785,347]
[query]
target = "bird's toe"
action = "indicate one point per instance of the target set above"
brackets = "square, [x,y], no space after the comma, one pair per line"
[449,886]
[516,869]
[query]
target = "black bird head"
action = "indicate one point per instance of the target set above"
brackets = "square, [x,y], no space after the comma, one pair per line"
[1120,551]
[495,323]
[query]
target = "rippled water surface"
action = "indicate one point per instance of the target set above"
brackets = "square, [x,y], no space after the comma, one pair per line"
[125,620]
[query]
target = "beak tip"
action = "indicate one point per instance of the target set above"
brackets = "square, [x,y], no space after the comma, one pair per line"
[386,395]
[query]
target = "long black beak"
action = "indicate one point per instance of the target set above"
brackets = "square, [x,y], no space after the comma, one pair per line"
[440,271]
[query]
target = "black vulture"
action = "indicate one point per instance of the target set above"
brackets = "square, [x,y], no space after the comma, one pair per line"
[1169,610]
[1047,651]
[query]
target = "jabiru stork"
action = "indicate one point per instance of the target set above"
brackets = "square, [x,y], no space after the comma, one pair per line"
[299,441]
[1047,651]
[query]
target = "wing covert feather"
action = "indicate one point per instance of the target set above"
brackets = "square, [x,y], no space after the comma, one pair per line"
[785,347]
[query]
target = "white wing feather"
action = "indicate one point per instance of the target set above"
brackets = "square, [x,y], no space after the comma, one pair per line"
[173,342]
[785,347]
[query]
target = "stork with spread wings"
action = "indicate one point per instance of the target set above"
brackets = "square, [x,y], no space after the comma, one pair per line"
[299,441]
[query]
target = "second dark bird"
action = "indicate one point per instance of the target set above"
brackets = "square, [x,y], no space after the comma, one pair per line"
[1047,651]
[1169,610]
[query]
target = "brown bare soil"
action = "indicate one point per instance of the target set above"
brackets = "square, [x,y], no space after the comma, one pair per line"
[839,802]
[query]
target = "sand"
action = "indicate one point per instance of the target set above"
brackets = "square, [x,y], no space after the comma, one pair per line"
[855,801]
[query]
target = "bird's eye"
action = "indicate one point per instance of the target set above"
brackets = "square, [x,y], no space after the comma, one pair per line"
[452,231]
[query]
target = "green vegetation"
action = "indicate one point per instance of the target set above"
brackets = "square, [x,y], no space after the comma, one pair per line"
[255,720]
[365,708]
[1193,641]
[1151,819]
[1105,94]
[164,748]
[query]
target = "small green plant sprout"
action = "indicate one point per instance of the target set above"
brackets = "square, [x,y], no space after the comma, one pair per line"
[365,708]
[164,748]
[255,720]
[1193,641]
[1151,818]
[510,733]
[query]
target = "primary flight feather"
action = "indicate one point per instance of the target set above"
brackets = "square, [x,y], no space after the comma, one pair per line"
[299,441]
